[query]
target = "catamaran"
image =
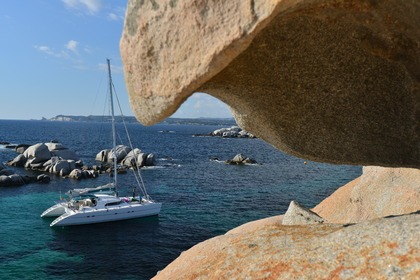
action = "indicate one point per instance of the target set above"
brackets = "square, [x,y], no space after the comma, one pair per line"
[103,204]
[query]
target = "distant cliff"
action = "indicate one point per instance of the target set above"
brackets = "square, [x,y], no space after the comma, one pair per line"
[131,119]
[90,118]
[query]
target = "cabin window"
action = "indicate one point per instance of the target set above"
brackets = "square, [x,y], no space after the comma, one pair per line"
[113,203]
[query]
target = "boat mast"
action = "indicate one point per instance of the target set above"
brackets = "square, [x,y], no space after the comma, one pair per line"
[114,141]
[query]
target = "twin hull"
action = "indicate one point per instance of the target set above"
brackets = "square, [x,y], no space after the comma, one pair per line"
[110,214]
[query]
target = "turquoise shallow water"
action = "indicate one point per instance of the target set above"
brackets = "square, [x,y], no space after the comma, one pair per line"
[201,199]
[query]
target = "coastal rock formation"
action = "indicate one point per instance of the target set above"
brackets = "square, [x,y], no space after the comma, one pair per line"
[59,150]
[37,153]
[9,179]
[240,159]
[232,132]
[127,157]
[376,249]
[21,148]
[326,80]
[379,192]
[50,157]
[82,174]
[296,214]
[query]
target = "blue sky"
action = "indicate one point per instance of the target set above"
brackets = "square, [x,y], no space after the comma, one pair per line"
[53,60]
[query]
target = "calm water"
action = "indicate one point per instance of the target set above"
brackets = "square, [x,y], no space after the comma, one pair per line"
[201,199]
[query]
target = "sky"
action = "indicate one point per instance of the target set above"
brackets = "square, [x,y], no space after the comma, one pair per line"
[53,60]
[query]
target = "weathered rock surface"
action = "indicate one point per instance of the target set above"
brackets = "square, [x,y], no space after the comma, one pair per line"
[240,159]
[297,214]
[50,157]
[326,80]
[377,193]
[386,248]
[231,132]
[119,152]
[127,157]
[38,153]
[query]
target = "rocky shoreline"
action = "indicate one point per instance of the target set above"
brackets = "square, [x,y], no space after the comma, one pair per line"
[54,158]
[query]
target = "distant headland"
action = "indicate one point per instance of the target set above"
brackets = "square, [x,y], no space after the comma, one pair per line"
[131,119]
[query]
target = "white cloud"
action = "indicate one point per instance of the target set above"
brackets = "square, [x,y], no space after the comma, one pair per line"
[72,46]
[112,16]
[68,52]
[52,52]
[44,49]
[118,13]
[88,6]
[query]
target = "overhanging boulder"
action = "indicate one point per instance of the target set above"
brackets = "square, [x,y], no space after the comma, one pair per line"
[331,81]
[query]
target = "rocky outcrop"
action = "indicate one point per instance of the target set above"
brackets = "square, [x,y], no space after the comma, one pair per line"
[376,249]
[286,247]
[82,174]
[377,193]
[240,159]
[326,80]
[232,132]
[37,153]
[50,157]
[129,158]
[9,178]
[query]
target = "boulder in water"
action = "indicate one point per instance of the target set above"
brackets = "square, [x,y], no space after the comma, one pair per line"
[150,160]
[240,159]
[21,148]
[63,167]
[120,153]
[18,161]
[76,174]
[43,178]
[5,181]
[38,152]
[131,159]
[141,159]
[102,156]
[17,180]
[59,150]
[65,154]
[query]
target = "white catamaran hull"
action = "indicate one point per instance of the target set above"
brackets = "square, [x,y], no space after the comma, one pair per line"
[56,210]
[92,215]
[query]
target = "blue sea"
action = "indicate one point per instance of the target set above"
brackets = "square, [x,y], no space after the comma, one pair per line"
[201,198]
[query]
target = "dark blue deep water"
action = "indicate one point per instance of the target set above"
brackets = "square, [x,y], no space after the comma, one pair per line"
[201,199]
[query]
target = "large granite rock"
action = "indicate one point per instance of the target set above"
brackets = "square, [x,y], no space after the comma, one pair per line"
[127,157]
[38,153]
[377,193]
[50,157]
[376,249]
[326,80]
